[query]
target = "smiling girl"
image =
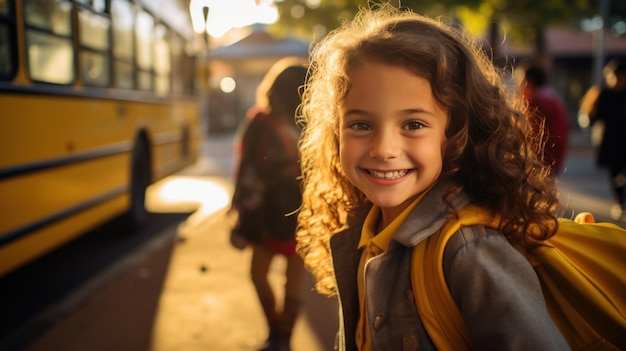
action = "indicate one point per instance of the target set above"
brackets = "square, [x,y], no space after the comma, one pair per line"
[406,122]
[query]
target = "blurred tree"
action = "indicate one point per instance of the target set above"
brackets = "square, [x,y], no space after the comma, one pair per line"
[312,19]
[522,21]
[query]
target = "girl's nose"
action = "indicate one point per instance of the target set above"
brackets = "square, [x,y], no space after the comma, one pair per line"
[385,145]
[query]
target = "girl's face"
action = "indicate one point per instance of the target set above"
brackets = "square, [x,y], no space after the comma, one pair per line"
[392,136]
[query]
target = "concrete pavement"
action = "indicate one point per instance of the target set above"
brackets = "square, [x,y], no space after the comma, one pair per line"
[582,185]
[190,290]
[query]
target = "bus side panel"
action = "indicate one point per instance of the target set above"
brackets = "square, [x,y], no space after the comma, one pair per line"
[32,196]
[172,149]
[21,251]
[77,153]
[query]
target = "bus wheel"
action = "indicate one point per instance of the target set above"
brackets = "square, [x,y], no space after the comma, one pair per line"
[141,176]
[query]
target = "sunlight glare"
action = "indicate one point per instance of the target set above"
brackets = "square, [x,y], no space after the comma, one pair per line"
[225,15]
[186,194]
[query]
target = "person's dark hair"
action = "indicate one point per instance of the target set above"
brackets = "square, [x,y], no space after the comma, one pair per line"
[281,88]
[536,76]
[283,98]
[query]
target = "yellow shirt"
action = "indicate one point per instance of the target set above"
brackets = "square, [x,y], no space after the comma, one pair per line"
[374,244]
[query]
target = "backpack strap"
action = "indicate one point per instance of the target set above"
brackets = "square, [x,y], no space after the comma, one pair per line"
[437,309]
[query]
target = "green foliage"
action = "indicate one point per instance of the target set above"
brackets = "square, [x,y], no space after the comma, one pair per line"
[312,22]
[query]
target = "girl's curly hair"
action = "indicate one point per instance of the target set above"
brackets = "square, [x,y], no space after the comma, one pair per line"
[491,154]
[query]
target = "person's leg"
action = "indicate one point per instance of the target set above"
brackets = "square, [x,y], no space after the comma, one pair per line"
[259,268]
[618,186]
[293,299]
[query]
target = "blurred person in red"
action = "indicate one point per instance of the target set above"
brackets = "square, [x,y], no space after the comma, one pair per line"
[550,118]
[267,195]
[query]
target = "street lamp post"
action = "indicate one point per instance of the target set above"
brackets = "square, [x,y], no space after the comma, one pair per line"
[599,36]
[199,13]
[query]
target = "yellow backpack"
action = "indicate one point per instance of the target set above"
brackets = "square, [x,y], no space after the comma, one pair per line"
[582,270]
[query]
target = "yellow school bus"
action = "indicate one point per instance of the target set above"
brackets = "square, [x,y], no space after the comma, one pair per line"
[97,101]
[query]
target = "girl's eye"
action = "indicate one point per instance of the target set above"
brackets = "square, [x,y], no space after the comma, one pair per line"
[359,126]
[411,125]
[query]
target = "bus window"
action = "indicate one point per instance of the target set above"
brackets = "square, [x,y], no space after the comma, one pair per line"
[97,5]
[178,80]
[162,62]
[49,41]
[123,21]
[7,23]
[94,40]
[53,16]
[189,66]
[183,75]
[143,33]
[50,58]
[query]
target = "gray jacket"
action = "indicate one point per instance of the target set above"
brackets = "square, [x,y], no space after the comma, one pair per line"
[494,286]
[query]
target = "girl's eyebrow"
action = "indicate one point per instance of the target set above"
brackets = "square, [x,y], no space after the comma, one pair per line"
[408,111]
[418,111]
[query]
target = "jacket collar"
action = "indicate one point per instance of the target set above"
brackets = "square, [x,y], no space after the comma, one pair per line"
[428,216]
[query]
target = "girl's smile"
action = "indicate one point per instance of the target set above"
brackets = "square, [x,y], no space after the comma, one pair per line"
[387,174]
[392,136]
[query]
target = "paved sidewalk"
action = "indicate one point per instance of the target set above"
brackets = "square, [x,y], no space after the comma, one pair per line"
[584,186]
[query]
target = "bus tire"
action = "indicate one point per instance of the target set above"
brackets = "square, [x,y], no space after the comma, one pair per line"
[140,179]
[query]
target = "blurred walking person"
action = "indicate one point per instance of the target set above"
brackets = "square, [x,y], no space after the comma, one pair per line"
[267,195]
[610,108]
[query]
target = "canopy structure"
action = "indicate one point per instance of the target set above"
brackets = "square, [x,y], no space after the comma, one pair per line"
[260,44]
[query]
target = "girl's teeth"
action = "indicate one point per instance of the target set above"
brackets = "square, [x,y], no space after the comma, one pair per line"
[388,175]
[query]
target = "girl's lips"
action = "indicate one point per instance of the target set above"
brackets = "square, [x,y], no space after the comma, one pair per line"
[388,175]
